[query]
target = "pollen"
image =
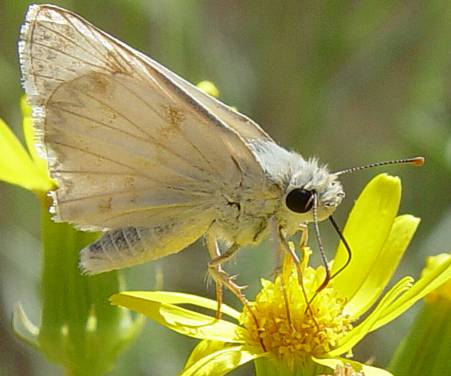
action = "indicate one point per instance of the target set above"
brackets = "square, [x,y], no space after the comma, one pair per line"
[286,321]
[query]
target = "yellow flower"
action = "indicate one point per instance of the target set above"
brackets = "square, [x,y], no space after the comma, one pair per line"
[209,87]
[18,165]
[283,324]
[279,330]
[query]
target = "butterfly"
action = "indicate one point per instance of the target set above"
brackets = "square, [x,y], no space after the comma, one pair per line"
[152,161]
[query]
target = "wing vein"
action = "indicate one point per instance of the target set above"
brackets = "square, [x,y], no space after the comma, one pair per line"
[101,157]
[59,66]
[71,56]
[138,138]
[212,167]
[116,54]
[124,192]
[191,190]
[82,116]
[88,41]
[149,136]
[112,109]
[143,209]
[48,77]
[99,173]
[61,35]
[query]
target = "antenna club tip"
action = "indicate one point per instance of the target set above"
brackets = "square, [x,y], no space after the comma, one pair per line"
[418,161]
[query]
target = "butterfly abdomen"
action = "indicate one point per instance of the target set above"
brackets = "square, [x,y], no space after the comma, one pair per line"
[129,246]
[114,250]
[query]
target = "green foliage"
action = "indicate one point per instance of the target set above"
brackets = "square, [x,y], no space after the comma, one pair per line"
[425,350]
[77,319]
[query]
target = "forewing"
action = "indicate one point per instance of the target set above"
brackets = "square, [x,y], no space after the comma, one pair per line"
[245,126]
[120,153]
[75,47]
[125,142]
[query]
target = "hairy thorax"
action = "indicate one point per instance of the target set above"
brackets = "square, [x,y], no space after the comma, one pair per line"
[245,213]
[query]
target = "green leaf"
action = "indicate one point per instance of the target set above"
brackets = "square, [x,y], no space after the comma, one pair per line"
[425,350]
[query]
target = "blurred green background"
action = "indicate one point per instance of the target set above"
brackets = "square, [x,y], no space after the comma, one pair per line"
[348,81]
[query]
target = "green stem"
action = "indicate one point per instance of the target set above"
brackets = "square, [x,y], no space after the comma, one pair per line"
[273,367]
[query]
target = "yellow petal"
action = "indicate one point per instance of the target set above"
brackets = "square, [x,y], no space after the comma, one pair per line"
[181,298]
[386,264]
[366,231]
[203,349]
[431,280]
[367,370]
[16,166]
[181,320]
[222,362]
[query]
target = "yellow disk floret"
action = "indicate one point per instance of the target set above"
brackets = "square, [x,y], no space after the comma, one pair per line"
[288,327]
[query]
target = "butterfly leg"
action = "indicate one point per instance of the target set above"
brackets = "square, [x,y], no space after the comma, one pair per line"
[304,235]
[297,261]
[283,242]
[281,245]
[214,252]
[221,277]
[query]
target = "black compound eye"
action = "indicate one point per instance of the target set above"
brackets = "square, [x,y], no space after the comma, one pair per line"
[299,200]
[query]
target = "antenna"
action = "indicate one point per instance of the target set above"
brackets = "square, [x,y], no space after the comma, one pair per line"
[416,161]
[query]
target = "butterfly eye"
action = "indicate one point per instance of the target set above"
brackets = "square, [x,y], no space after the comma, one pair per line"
[299,200]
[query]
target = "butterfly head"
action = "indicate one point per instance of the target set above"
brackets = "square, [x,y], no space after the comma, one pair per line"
[312,188]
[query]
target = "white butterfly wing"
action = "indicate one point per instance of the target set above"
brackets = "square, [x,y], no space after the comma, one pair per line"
[129,142]
[136,150]
[120,151]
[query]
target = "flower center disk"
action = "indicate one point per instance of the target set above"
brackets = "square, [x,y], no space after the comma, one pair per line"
[289,328]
